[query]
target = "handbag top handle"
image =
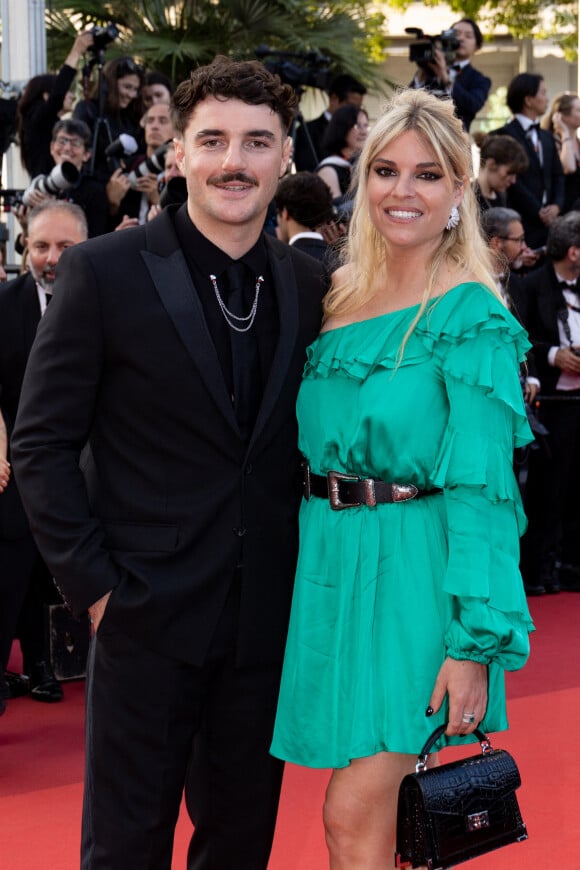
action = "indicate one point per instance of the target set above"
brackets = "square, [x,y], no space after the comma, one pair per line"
[421,765]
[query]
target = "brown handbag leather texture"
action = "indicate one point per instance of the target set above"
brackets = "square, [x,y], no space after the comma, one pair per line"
[457,811]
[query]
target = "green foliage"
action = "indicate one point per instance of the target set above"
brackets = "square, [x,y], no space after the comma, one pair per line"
[175,36]
[522,18]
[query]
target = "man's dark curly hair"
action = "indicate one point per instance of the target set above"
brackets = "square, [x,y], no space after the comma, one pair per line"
[226,79]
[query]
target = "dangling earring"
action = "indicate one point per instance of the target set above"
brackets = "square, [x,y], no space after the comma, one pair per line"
[454,218]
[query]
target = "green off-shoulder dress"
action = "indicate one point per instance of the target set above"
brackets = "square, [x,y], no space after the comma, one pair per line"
[383,594]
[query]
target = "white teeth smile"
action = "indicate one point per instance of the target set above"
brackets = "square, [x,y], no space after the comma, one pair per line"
[404,215]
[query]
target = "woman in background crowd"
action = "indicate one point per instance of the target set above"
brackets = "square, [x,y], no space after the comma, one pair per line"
[343,140]
[122,79]
[563,121]
[501,159]
[44,100]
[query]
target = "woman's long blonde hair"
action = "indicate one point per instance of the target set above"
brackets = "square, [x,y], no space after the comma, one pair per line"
[366,251]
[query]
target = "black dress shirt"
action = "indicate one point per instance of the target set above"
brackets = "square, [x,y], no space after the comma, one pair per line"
[205,259]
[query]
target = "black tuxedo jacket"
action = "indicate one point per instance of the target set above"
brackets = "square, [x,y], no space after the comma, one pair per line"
[304,159]
[19,318]
[526,195]
[316,248]
[541,310]
[469,93]
[170,499]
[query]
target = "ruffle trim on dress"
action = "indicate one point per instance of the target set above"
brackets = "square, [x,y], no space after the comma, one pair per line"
[475,460]
[352,349]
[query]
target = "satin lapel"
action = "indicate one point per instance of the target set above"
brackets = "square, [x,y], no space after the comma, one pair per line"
[172,281]
[287,296]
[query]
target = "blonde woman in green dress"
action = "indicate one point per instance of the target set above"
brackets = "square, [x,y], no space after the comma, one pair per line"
[408,604]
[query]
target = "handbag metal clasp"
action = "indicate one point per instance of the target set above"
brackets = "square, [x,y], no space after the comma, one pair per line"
[478,821]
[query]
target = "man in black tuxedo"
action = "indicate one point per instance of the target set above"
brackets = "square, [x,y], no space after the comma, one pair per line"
[551,546]
[24,578]
[303,205]
[343,90]
[467,86]
[176,351]
[538,193]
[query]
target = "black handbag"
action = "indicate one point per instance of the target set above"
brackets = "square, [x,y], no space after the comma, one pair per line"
[457,811]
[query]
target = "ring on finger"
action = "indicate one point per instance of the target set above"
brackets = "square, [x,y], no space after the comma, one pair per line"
[468,718]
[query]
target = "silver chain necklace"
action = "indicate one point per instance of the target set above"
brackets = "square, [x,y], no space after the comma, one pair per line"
[229,316]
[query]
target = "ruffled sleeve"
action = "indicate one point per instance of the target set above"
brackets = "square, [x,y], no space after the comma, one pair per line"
[479,352]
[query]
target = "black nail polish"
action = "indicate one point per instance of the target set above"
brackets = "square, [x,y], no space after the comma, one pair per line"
[429,711]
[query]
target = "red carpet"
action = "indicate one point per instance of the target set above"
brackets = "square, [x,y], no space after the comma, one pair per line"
[41,761]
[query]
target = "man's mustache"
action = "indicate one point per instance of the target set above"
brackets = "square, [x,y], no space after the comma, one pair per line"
[228,177]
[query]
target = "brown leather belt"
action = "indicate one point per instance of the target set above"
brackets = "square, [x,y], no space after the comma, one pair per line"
[350,490]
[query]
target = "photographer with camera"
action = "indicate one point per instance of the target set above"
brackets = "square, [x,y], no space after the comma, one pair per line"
[131,194]
[44,99]
[446,68]
[119,91]
[70,151]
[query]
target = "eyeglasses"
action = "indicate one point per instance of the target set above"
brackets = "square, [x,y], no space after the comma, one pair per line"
[521,240]
[362,127]
[74,142]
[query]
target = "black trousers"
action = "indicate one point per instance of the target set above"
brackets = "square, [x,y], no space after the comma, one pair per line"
[551,499]
[157,726]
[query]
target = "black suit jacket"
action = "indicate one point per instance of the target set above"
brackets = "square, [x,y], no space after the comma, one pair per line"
[19,318]
[171,497]
[316,248]
[541,306]
[469,93]
[526,195]
[304,159]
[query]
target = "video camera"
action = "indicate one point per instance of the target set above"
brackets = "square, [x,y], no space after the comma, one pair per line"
[312,72]
[422,51]
[60,178]
[103,36]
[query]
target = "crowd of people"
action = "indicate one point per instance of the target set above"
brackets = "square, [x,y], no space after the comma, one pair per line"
[197,437]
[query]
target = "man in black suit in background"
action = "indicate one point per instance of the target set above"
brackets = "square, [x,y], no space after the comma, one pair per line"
[176,350]
[538,193]
[53,227]
[551,545]
[344,90]
[303,205]
[467,86]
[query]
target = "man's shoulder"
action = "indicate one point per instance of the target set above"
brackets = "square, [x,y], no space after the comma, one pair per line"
[471,72]
[157,234]
[13,288]
[298,257]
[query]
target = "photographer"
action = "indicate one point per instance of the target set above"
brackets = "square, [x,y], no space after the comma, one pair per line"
[121,81]
[467,87]
[132,194]
[44,99]
[70,144]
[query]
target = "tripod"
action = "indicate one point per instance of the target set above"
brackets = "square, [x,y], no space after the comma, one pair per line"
[101,121]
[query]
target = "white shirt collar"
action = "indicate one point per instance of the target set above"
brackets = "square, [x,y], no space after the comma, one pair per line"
[305,235]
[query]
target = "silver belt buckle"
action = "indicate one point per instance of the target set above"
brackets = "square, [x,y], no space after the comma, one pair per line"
[334,479]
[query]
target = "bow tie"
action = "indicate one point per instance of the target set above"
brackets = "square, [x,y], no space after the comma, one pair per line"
[457,67]
[567,285]
[534,126]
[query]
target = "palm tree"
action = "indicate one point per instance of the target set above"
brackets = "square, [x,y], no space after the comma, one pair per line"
[175,36]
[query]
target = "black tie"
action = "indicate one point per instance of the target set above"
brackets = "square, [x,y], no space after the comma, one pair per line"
[245,363]
[47,297]
[567,285]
